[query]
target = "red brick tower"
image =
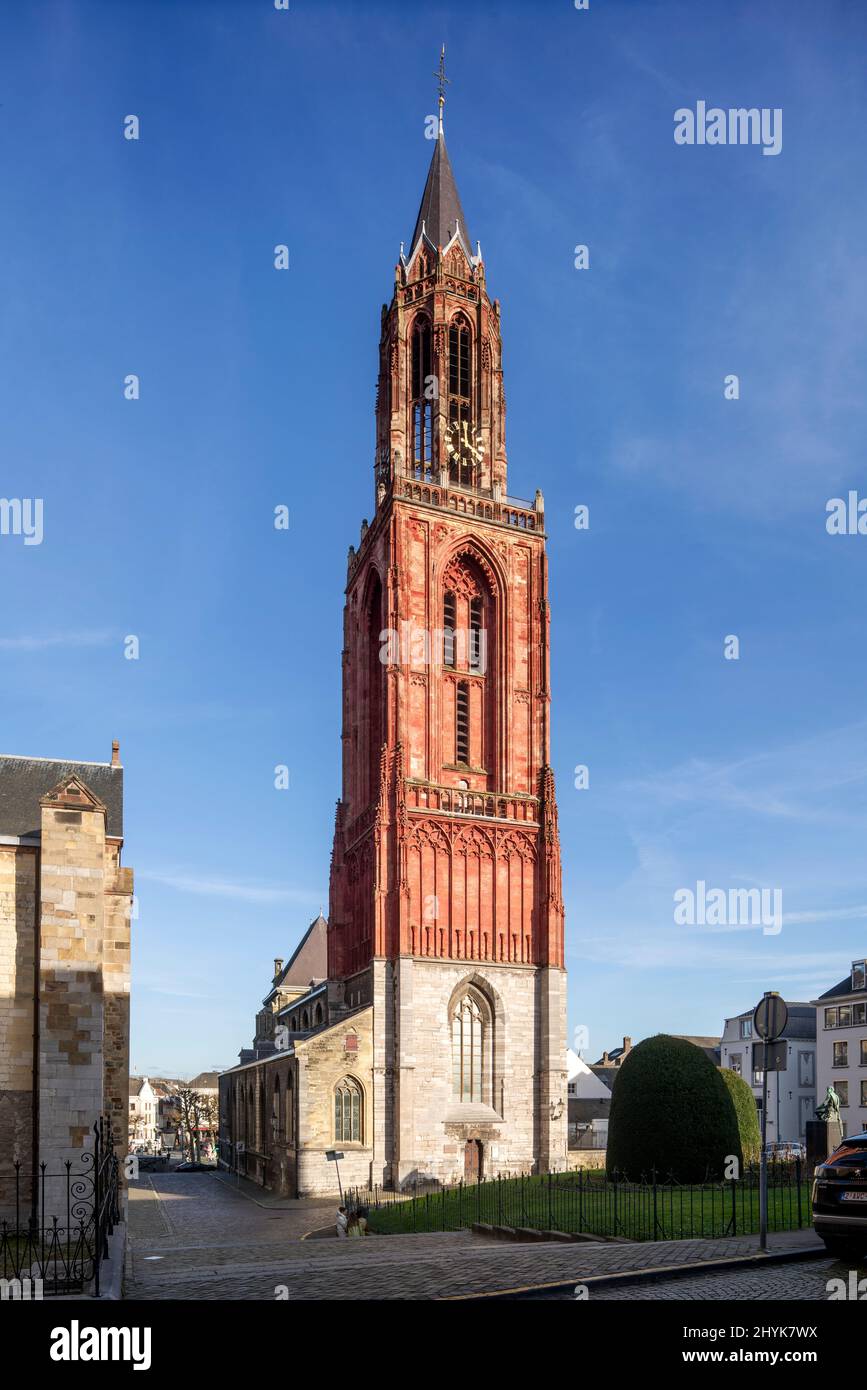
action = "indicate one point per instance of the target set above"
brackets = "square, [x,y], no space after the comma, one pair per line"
[446,859]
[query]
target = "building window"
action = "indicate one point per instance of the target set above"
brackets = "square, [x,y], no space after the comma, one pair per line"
[450,622]
[746,1028]
[859,1013]
[830,1018]
[844,1016]
[347,1111]
[863,1094]
[864,1052]
[476,629]
[736,1063]
[461,467]
[859,975]
[842,1089]
[462,723]
[423,387]
[470,1037]
[841,1054]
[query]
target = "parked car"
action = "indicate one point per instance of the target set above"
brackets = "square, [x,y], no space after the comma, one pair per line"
[786,1150]
[840,1198]
[195,1168]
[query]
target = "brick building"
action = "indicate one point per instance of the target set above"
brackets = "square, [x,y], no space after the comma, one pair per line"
[65,908]
[436,1046]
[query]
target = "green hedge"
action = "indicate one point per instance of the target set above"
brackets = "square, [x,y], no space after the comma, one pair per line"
[747,1115]
[671,1111]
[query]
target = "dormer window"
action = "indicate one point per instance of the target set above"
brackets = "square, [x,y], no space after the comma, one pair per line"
[859,975]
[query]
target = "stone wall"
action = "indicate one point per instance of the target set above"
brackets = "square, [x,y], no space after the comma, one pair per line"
[84,900]
[17,908]
[516,1130]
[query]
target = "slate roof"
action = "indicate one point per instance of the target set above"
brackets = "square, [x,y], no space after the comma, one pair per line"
[24,780]
[309,960]
[844,988]
[441,211]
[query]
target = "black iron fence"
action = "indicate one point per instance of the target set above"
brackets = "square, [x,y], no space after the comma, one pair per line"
[589,1202]
[61,1249]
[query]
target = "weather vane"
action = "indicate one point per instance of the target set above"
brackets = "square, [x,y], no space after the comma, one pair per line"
[440,75]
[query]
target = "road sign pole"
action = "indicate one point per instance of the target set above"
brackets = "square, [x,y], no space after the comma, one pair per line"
[763,1164]
[769,1022]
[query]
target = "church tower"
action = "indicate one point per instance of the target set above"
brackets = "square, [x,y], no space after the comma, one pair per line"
[446,910]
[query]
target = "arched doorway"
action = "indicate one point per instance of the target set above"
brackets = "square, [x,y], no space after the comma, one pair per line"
[472,1160]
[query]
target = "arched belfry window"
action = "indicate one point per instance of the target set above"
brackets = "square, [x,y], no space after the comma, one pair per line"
[347,1111]
[471,1049]
[422,401]
[462,466]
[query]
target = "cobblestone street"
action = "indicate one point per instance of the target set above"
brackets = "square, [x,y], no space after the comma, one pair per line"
[194,1236]
[795,1281]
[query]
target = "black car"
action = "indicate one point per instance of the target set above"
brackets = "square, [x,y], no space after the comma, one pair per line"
[840,1198]
[196,1168]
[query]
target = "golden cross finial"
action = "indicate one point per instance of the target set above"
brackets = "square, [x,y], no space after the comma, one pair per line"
[440,75]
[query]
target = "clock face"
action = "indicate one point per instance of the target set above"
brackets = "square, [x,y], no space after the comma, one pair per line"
[464,443]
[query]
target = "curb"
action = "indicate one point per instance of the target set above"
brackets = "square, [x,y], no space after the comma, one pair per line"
[651,1275]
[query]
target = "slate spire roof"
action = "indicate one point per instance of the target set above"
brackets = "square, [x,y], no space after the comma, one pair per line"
[441,214]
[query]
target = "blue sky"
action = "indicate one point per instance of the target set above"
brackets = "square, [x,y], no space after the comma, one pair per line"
[155,257]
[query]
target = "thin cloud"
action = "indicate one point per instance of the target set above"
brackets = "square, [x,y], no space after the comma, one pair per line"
[33,643]
[209,887]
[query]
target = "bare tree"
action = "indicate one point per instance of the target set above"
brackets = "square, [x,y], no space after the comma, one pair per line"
[191,1105]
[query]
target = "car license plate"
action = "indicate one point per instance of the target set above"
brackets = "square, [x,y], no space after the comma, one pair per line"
[853,1196]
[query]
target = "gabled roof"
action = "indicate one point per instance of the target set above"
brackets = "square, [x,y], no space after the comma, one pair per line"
[309,961]
[441,214]
[24,781]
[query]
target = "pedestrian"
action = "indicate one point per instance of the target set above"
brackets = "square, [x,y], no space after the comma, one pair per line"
[342,1223]
[362,1220]
[354,1227]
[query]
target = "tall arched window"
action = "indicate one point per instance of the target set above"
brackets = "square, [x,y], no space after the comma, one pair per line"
[450,622]
[347,1111]
[470,1023]
[469,662]
[422,401]
[461,467]
[462,723]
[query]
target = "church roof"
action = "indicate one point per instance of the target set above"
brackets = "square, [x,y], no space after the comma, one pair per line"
[441,214]
[309,961]
[24,780]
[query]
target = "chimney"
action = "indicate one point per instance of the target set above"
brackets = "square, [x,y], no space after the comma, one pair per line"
[627,1044]
[605,1059]
[278,965]
[115,753]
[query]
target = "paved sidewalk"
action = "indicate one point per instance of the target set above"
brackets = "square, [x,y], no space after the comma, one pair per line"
[193,1237]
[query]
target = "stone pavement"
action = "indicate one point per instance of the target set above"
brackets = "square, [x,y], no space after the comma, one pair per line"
[807,1281]
[194,1237]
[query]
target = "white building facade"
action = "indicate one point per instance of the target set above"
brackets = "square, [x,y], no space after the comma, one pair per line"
[841,1044]
[791,1091]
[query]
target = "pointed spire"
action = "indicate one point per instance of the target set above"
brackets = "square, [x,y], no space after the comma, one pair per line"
[441,214]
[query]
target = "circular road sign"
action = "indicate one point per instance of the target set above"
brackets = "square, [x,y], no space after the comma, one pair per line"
[770,1017]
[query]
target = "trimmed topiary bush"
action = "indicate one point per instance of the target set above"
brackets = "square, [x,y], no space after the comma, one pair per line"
[747,1116]
[671,1111]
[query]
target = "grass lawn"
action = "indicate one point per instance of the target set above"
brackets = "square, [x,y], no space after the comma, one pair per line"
[592,1205]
